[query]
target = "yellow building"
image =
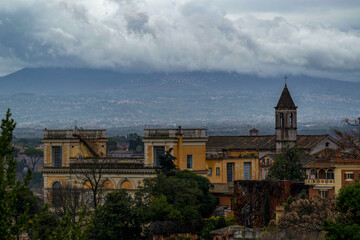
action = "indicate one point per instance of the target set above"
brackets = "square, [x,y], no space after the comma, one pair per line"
[188,146]
[68,152]
[192,152]
[228,165]
[327,176]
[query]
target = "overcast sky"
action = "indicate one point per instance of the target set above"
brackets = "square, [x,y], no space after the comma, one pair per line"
[269,38]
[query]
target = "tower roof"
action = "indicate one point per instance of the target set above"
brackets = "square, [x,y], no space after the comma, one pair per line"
[285,100]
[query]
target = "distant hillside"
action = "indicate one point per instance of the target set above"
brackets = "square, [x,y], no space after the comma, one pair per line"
[59,96]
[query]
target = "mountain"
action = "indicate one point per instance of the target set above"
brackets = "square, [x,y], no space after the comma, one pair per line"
[57,97]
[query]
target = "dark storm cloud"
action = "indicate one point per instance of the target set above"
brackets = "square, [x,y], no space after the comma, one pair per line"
[320,38]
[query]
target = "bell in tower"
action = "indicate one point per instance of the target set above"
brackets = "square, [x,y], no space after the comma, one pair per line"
[285,121]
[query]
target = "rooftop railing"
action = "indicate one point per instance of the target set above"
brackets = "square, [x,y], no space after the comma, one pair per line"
[55,134]
[320,181]
[172,133]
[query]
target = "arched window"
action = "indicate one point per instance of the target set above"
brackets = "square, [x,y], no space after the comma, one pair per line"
[56,194]
[330,174]
[56,184]
[291,120]
[281,120]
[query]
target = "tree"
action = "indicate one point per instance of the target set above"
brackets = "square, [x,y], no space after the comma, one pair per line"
[167,164]
[184,192]
[91,171]
[307,215]
[212,223]
[134,142]
[353,122]
[35,156]
[349,143]
[12,222]
[266,209]
[287,165]
[44,225]
[118,218]
[347,223]
[69,200]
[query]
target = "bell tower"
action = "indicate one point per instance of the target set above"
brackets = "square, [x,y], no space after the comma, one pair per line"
[285,121]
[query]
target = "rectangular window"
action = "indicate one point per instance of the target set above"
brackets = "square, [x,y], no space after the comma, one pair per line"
[324,194]
[210,171]
[189,161]
[247,171]
[57,156]
[230,172]
[158,151]
[217,171]
[349,176]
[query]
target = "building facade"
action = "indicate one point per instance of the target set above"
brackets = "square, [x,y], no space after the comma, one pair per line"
[327,176]
[187,145]
[68,154]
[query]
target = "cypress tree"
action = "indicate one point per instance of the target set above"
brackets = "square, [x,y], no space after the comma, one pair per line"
[266,209]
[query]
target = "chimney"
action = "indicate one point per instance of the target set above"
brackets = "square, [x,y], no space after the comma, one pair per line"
[254,132]
[179,130]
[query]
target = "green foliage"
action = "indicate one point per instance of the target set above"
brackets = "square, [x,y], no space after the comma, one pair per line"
[12,222]
[347,225]
[167,163]
[135,142]
[33,152]
[161,210]
[287,165]
[118,218]
[26,201]
[205,199]
[212,223]
[28,142]
[349,200]
[44,224]
[68,230]
[266,209]
[111,145]
[35,182]
[185,193]
[340,231]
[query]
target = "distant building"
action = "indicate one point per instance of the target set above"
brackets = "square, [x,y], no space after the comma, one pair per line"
[263,148]
[64,154]
[187,145]
[327,176]
[225,159]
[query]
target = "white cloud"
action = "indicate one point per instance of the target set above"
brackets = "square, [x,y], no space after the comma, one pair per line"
[152,35]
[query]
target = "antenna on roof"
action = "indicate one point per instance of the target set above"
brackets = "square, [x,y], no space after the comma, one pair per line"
[75,124]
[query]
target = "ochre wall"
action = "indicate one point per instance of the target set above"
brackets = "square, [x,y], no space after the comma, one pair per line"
[50,180]
[233,157]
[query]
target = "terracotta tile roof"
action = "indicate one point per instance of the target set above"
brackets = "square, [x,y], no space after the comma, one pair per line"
[285,100]
[309,141]
[241,142]
[264,142]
